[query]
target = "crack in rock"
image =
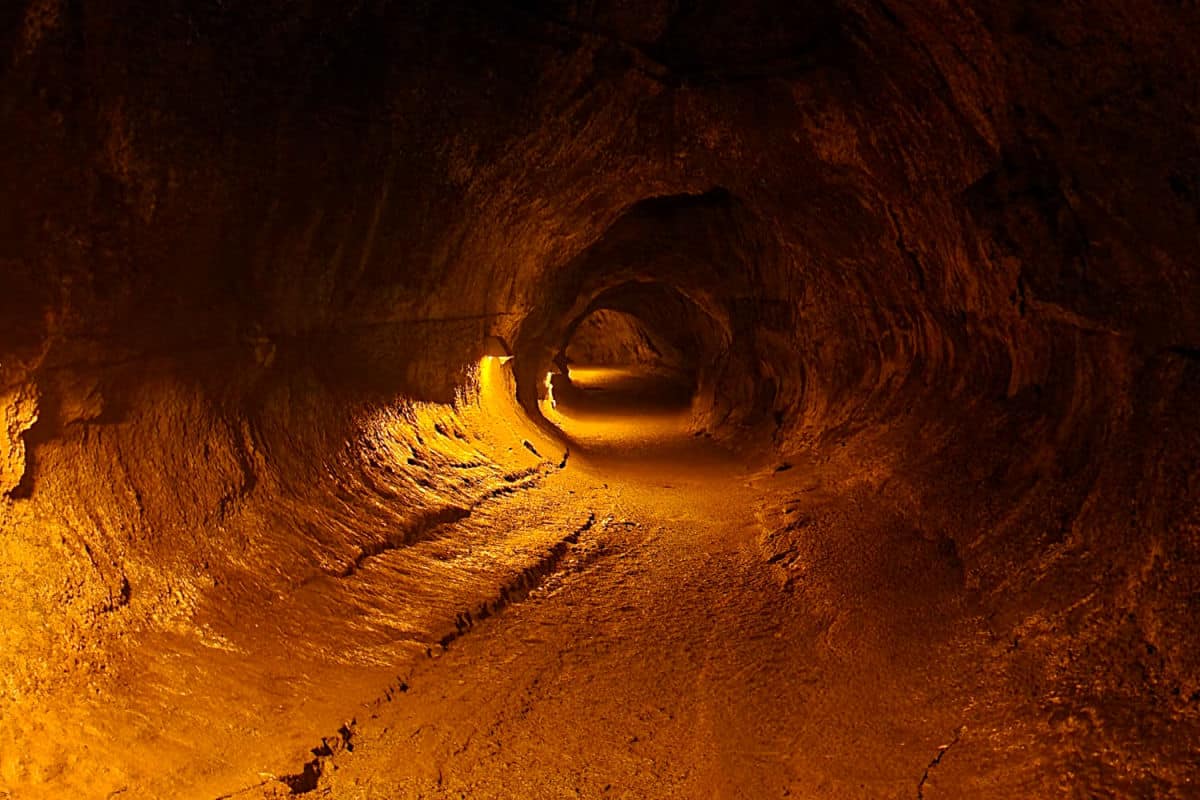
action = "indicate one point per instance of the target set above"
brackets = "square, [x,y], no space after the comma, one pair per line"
[429,523]
[519,587]
[941,753]
[516,590]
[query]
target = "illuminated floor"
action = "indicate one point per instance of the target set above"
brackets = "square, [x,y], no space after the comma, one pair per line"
[663,657]
[648,618]
[629,420]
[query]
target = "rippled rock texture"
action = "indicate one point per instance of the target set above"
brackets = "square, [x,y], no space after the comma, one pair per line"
[251,253]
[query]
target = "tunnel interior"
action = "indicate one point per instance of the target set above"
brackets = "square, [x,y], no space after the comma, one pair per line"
[640,350]
[547,399]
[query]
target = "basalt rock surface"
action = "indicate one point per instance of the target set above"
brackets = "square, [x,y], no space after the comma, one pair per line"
[251,252]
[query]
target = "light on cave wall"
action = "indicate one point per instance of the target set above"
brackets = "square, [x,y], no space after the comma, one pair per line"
[490,375]
[496,354]
[550,390]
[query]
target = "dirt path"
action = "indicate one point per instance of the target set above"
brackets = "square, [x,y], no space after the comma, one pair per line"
[628,674]
[664,657]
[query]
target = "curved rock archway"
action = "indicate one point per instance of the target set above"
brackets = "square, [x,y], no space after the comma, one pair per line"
[262,457]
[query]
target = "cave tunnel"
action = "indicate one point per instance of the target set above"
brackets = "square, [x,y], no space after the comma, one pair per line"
[548,399]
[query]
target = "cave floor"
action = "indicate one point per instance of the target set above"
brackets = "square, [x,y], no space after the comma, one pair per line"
[667,657]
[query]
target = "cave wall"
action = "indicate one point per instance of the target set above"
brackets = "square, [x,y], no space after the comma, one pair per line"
[952,242]
[613,338]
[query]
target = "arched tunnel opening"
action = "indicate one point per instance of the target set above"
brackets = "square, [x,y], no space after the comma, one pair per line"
[548,399]
[630,367]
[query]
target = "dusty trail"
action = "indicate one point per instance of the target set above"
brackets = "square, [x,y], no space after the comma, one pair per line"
[664,658]
[626,674]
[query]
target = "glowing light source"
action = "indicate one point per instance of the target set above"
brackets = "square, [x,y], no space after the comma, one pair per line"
[491,376]
[550,390]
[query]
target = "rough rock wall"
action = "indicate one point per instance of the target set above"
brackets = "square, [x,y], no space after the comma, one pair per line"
[613,338]
[956,240]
